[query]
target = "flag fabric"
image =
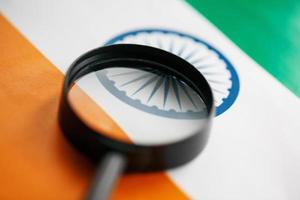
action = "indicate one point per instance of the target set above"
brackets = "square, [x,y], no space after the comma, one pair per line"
[253,151]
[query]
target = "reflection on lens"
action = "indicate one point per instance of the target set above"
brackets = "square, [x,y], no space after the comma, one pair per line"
[141,105]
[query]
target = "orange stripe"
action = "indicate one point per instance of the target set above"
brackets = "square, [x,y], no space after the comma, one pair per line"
[35,160]
[94,116]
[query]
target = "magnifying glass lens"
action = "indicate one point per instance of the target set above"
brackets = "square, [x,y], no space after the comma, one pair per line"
[141,105]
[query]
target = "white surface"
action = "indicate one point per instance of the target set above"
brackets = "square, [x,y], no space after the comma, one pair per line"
[254,150]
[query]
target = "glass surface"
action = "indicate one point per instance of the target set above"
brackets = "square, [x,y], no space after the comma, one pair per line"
[143,106]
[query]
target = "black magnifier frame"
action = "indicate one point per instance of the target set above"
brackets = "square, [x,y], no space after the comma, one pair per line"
[121,156]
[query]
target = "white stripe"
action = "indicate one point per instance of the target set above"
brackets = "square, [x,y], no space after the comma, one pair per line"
[254,149]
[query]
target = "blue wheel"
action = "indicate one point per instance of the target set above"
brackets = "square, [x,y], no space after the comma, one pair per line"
[153,92]
[136,89]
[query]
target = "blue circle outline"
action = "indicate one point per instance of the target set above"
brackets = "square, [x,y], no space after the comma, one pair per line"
[233,91]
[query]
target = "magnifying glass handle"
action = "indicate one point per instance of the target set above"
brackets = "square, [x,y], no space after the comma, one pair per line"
[107,174]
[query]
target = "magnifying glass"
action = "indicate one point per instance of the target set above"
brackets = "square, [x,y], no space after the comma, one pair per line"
[163,102]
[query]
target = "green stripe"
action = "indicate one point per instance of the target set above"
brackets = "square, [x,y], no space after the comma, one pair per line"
[268,31]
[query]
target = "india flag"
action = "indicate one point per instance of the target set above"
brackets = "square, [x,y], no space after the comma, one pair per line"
[248,52]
